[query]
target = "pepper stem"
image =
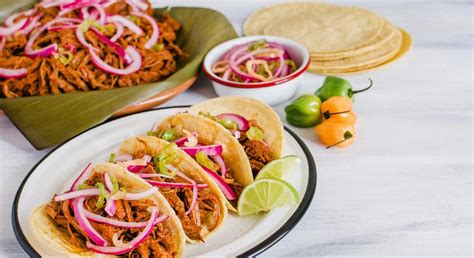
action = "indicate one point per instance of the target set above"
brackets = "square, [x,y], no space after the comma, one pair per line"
[362,90]
[347,136]
[327,115]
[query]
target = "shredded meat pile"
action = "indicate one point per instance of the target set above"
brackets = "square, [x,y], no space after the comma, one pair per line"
[258,152]
[50,75]
[158,244]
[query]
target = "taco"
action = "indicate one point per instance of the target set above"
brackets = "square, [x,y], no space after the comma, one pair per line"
[109,211]
[256,125]
[193,195]
[215,149]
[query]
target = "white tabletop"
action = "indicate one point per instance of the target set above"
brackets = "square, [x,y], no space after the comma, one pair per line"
[403,188]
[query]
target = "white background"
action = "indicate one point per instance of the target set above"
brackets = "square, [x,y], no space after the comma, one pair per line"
[404,188]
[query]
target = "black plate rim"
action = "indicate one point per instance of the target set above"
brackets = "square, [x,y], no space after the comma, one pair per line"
[254,251]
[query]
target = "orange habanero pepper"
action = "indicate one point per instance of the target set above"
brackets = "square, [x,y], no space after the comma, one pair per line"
[338,108]
[333,133]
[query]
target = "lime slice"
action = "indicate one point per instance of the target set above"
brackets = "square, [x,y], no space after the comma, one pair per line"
[279,168]
[266,194]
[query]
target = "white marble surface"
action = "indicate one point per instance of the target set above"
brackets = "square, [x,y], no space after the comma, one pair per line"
[404,188]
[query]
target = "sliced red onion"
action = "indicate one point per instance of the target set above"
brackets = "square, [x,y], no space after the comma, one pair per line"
[127,247]
[110,206]
[76,194]
[77,4]
[183,140]
[118,49]
[147,158]
[235,133]
[6,31]
[119,31]
[62,27]
[149,175]
[80,37]
[134,196]
[10,21]
[119,223]
[31,25]
[48,50]
[80,216]
[195,191]
[11,73]
[218,159]
[242,122]
[48,4]
[125,22]
[124,158]
[108,3]
[156,31]
[174,185]
[70,47]
[102,14]
[137,5]
[133,67]
[83,176]
[135,168]
[225,188]
[208,150]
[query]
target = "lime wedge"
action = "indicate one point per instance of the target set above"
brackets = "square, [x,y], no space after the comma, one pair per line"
[279,168]
[265,194]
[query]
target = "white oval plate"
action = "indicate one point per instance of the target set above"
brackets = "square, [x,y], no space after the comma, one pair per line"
[249,235]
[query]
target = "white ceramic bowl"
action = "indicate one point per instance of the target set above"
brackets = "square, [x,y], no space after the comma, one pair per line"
[273,92]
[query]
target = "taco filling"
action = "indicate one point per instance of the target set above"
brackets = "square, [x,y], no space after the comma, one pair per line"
[194,203]
[209,157]
[99,215]
[250,135]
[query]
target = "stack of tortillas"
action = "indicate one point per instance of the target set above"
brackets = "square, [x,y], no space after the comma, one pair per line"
[341,40]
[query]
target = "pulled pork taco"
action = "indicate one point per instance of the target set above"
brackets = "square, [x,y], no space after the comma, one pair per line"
[193,195]
[254,124]
[109,211]
[213,148]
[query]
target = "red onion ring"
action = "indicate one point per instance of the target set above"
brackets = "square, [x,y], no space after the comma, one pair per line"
[76,194]
[134,66]
[172,185]
[225,188]
[83,176]
[11,73]
[7,31]
[218,159]
[134,196]
[127,247]
[242,122]
[125,22]
[124,224]
[118,49]
[195,191]
[156,31]
[10,21]
[119,31]
[110,206]
[208,150]
[80,216]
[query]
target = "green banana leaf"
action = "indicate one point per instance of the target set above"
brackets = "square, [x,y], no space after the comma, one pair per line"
[50,120]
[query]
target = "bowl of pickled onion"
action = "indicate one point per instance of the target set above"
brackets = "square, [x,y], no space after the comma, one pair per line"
[266,68]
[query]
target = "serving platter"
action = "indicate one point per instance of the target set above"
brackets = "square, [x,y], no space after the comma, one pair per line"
[250,235]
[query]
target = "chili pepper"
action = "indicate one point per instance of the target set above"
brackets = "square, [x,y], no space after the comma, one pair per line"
[338,108]
[304,111]
[332,133]
[335,86]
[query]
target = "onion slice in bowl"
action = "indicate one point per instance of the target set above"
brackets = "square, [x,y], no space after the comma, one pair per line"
[126,247]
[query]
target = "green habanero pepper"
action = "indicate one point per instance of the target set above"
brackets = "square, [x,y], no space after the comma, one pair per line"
[304,111]
[335,86]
